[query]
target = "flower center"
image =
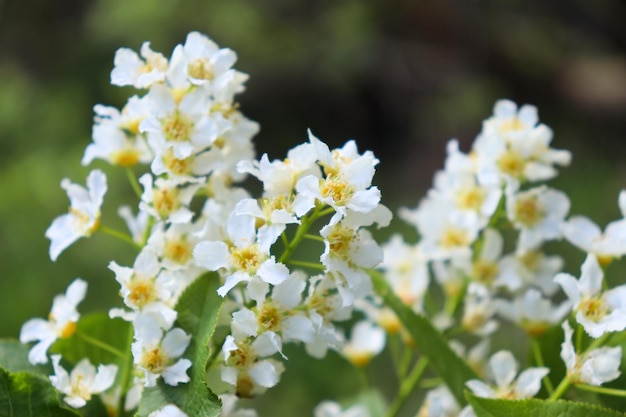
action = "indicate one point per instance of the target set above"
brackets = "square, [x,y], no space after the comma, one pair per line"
[247,259]
[593,308]
[166,201]
[454,237]
[177,128]
[154,360]
[200,69]
[337,190]
[141,292]
[470,198]
[512,164]
[484,271]
[528,212]
[339,241]
[179,251]
[269,317]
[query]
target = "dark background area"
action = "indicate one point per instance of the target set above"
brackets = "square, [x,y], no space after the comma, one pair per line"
[400,77]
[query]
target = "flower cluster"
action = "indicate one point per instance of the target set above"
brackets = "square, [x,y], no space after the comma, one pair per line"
[289,265]
[193,218]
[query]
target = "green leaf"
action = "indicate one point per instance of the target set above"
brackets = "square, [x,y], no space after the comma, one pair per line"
[488,407]
[198,310]
[14,358]
[25,394]
[98,327]
[428,340]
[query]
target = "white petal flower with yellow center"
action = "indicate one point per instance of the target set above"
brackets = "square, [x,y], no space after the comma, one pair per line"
[539,215]
[61,322]
[179,122]
[366,341]
[347,183]
[242,258]
[158,354]
[597,311]
[587,235]
[332,409]
[531,312]
[167,199]
[83,382]
[140,72]
[245,364]
[280,177]
[116,136]
[594,367]
[84,215]
[145,288]
[503,368]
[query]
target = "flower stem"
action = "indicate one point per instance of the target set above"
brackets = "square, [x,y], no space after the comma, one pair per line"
[127,374]
[305,225]
[407,386]
[602,390]
[100,344]
[133,181]
[312,265]
[560,389]
[119,235]
[539,361]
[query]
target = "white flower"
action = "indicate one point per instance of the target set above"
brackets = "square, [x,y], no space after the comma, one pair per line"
[181,124]
[439,402]
[538,213]
[145,288]
[332,409]
[597,311]
[245,367]
[229,403]
[130,69]
[280,177]
[594,367]
[366,341]
[519,270]
[347,182]
[479,310]
[82,382]
[157,354]
[61,322]
[116,136]
[169,410]
[242,259]
[585,234]
[504,369]
[275,213]
[167,199]
[406,269]
[84,214]
[532,312]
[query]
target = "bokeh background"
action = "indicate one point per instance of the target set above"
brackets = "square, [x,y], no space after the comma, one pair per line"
[399,76]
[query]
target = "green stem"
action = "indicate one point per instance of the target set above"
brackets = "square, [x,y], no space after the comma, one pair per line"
[314,237]
[126,373]
[602,390]
[119,235]
[305,225]
[560,389]
[312,265]
[133,182]
[100,344]
[539,361]
[407,386]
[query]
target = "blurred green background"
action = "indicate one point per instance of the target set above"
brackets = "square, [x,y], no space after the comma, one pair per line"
[401,77]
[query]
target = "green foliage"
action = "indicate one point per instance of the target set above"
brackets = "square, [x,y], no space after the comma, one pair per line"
[452,369]
[98,327]
[487,407]
[14,358]
[198,310]
[27,394]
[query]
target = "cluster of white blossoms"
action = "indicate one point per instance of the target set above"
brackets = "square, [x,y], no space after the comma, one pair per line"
[478,201]
[193,218]
[295,261]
